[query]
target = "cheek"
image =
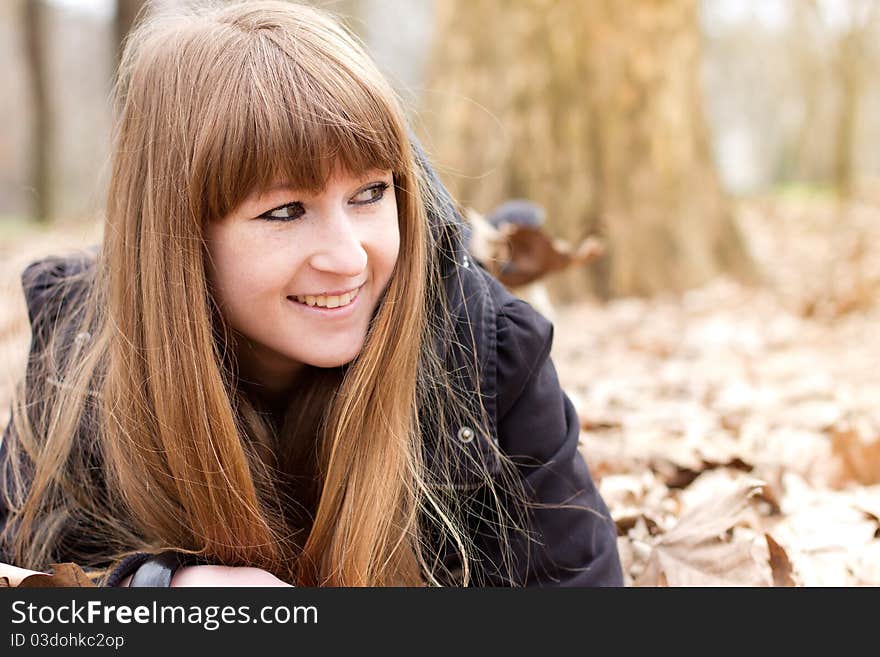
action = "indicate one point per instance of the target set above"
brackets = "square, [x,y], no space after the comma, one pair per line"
[236,274]
[222,269]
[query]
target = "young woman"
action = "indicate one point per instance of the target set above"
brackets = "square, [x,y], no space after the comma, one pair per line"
[281,366]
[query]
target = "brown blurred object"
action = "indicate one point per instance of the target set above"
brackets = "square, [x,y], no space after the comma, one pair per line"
[513,245]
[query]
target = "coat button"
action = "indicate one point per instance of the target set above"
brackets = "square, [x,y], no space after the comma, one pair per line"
[466,434]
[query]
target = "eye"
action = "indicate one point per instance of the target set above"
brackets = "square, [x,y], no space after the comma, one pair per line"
[294,210]
[286,212]
[371,194]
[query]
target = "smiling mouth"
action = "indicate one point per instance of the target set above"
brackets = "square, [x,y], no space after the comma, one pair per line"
[321,301]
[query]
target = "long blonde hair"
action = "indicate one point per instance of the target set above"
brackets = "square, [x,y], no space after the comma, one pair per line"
[142,438]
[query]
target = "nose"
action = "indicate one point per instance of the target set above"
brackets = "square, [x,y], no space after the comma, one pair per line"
[339,249]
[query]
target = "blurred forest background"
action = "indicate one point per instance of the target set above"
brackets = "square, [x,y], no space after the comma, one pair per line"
[721,352]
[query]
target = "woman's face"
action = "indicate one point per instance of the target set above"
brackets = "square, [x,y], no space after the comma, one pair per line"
[298,276]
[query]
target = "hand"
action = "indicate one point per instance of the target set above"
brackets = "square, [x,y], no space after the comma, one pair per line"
[226,576]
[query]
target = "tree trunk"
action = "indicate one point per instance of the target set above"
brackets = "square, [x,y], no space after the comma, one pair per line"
[41,135]
[850,63]
[593,110]
[849,81]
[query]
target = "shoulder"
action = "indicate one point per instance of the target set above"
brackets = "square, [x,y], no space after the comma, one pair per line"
[55,288]
[51,283]
[513,340]
[523,338]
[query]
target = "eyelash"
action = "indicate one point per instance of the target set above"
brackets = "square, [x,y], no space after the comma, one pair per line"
[381,187]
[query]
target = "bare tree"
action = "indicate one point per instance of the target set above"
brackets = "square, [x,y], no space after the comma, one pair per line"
[834,53]
[849,63]
[41,139]
[592,109]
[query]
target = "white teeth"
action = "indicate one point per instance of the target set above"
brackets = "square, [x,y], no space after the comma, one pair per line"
[328,302]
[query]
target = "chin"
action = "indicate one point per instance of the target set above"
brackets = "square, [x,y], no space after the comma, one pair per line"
[333,360]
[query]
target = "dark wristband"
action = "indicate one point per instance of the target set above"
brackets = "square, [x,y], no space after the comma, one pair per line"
[158,570]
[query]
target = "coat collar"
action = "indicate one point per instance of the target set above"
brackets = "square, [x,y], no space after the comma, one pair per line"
[473,298]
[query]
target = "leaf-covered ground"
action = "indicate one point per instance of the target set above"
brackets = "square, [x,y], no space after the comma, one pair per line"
[735,432]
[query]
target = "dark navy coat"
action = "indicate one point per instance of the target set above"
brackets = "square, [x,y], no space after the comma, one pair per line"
[529,418]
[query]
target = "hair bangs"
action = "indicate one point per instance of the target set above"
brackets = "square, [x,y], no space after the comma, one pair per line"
[292,124]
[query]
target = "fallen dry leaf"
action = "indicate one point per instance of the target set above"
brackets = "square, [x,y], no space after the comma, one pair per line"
[780,566]
[858,455]
[13,574]
[628,521]
[63,575]
[697,551]
[588,424]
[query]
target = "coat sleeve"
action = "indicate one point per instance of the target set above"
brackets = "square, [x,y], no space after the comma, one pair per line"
[574,539]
